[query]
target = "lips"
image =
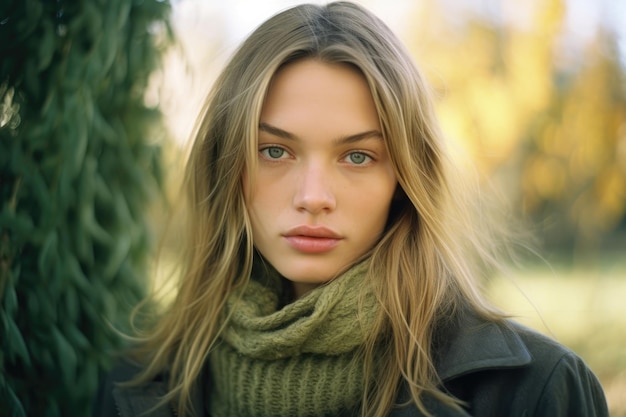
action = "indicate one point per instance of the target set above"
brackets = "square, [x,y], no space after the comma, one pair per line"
[312,239]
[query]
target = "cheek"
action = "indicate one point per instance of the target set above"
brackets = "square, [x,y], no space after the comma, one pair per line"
[380,192]
[372,204]
[263,200]
[254,190]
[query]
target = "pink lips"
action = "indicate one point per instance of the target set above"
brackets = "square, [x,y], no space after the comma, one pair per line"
[312,239]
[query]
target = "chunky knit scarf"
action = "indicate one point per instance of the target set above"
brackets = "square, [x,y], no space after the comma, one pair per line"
[296,360]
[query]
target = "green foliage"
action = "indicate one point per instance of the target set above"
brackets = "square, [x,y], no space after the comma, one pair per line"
[78,165]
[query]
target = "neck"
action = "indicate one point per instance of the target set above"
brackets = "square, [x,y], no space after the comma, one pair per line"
[300,289]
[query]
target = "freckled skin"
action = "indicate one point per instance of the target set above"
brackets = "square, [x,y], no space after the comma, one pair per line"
[323,165]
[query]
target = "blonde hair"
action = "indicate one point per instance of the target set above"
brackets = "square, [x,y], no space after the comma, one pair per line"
[424,268]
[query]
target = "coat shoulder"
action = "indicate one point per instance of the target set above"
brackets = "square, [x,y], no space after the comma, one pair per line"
[553,381]
[564,385]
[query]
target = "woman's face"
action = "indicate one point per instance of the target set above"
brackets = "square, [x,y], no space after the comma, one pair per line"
[325,182]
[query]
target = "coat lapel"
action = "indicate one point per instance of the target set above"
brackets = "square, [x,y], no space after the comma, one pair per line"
[473,345]
[469,345]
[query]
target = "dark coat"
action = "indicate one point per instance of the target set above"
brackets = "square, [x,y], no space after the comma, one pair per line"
[499,370]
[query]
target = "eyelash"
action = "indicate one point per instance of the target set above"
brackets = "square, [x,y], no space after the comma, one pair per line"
[264,153]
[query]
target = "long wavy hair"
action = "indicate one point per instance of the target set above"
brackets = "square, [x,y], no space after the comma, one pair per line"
[424,269]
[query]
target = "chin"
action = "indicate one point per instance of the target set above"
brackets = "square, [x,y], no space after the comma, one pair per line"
[311,273]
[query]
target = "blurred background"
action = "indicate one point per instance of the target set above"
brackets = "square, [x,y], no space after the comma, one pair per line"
[98,101]
[534,94]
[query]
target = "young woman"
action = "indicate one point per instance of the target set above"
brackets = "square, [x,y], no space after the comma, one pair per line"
[332,263]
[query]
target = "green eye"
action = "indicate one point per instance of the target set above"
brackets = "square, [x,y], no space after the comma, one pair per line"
[358,158]
[273,152]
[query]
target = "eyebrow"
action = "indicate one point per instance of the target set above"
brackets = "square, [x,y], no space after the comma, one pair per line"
[276,131]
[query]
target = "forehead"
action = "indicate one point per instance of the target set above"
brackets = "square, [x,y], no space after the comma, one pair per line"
[311,91]
[311,73]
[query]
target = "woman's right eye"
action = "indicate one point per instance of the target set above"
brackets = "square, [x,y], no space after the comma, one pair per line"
[273,152]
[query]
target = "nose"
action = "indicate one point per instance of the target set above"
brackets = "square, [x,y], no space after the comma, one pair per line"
[313,192]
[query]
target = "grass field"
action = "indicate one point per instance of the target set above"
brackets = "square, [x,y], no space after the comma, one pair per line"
[583,308]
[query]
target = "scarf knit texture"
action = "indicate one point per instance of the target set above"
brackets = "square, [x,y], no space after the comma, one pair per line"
[299,359]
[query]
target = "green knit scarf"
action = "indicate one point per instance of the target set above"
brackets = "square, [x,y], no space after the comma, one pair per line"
[296,360]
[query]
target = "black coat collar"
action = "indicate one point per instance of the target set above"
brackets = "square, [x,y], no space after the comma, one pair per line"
[465,346]
[473,345]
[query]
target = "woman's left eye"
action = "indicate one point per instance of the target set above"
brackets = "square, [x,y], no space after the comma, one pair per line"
[358,158]
[273,152]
